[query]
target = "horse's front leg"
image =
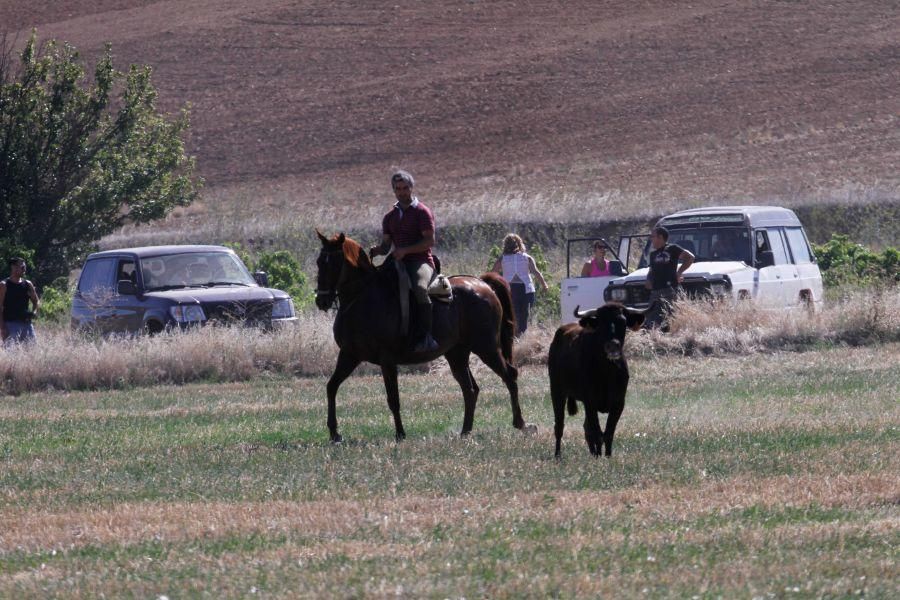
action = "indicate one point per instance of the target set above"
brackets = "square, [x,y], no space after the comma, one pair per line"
[346,363]
[389,373]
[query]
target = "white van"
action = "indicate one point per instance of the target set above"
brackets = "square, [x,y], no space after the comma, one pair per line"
[757,253]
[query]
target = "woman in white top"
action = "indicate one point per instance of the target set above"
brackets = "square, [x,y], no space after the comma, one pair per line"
[517,267]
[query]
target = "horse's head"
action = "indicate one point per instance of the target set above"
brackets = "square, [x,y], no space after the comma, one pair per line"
[336,253]
[329,263]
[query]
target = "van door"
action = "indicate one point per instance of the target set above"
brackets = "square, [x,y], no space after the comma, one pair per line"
[632,251]
[785,269]
[92,302]
[767,282]
[809,276]
[128,309]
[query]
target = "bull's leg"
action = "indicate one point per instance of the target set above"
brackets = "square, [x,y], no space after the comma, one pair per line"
[346,363]
[558,397]
[389,374]
[611,421]
[459,366]
[510,375]
[593,435]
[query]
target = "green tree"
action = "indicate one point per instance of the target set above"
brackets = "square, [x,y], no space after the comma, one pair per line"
[79,159]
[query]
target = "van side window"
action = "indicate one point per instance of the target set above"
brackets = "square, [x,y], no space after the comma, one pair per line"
[126,271]
[97,276]
[799,245]
[777,244]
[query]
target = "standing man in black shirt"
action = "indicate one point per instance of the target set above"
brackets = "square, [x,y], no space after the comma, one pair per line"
[15,294]
[664,276]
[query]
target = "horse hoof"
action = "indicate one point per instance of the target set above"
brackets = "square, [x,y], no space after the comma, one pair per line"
[399,437]
[336,440]
[530,429]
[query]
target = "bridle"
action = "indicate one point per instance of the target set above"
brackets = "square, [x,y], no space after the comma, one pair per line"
[329,295]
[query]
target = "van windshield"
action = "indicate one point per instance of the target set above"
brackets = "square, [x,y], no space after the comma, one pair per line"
[709,244]
[194,269]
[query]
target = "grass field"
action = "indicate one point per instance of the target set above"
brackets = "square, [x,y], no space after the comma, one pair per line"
[763,475]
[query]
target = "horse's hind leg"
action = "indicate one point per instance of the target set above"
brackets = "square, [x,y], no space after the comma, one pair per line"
[389,374]
[510,375]
[346,363]
[459,366]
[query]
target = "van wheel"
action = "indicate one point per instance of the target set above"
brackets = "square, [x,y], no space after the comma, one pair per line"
[806,301]
[153,327]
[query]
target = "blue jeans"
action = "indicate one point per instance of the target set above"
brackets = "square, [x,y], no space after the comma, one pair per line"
[19,332]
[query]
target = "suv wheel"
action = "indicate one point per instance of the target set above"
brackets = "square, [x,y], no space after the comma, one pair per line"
[153,328]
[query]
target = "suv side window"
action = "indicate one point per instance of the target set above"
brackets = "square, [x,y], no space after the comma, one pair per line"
[96,276]
[799,245]
[126,271]
[776,242]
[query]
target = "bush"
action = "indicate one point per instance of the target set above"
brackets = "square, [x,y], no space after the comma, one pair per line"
[844,263]
[284,271]
[56,302]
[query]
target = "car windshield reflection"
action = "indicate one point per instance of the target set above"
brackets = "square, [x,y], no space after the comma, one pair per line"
[194,270]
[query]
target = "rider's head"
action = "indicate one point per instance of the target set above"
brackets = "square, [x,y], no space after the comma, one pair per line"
[403,183]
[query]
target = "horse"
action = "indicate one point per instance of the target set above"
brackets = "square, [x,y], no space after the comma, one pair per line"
[367,327]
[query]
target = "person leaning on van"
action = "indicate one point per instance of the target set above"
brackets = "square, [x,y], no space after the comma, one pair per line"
[516,267]
[664,276]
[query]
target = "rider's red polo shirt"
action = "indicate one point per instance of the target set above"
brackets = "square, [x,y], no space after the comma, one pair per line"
[405,226]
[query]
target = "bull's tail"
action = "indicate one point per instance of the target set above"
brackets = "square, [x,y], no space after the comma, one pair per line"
[573,406]
[508,318]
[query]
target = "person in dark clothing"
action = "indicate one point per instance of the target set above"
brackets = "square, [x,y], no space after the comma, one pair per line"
[409,228]
[664,277]
[15,294]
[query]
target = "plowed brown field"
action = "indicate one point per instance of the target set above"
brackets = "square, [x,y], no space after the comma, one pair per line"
[661,103]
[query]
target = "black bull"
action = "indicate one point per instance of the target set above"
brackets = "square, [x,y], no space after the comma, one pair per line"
[586,363]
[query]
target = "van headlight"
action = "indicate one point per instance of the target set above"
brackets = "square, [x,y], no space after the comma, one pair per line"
[618,294]
[187,313]
[283,309]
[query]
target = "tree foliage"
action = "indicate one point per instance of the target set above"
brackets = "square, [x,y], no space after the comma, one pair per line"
[79,158]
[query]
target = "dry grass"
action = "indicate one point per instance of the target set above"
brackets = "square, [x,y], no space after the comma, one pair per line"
[63,360]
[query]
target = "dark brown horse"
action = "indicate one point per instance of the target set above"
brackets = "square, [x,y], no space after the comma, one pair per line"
[367,328]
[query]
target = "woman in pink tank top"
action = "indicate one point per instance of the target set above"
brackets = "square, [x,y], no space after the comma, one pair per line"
[597,266]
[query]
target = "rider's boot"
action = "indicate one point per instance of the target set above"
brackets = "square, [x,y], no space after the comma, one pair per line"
[424,340]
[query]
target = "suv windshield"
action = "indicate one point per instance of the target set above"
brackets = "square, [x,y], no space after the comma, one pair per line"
[194,269]
[709,243]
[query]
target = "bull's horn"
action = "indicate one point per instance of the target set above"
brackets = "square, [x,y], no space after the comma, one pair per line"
[587,313]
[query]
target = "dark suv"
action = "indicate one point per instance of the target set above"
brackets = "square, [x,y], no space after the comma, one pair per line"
[160,287]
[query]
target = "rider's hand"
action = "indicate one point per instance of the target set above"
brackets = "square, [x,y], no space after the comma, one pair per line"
[680,278]
[399,253]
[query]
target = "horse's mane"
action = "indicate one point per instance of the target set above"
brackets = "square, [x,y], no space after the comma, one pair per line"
[353,252]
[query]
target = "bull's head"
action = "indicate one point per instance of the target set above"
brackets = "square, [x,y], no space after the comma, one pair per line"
[609,323]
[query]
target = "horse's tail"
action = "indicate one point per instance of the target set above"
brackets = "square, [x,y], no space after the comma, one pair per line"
[508,318]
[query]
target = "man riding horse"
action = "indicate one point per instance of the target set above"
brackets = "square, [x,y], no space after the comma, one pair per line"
[409,228]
